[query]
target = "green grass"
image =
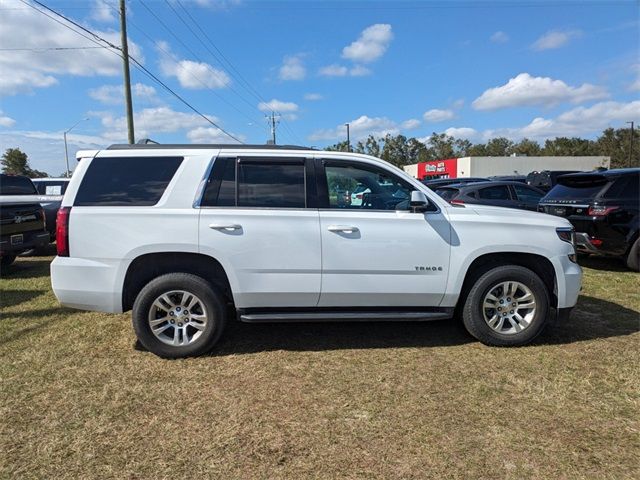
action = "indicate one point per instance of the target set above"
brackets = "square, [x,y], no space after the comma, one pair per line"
[378,400]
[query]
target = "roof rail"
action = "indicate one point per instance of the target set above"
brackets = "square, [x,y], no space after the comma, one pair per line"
[234,146]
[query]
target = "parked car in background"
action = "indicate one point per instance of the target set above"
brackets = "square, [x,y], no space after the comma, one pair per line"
[603,207]
[498,194]
[51,186]
[441,182]
[51,191]
[546,179]
[508,178]
[22,219]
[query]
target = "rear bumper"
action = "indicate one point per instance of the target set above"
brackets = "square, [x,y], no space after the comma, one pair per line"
[583,243]
[29,240]
[87,284]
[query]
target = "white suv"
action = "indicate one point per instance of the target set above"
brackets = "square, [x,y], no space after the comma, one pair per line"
[179,233]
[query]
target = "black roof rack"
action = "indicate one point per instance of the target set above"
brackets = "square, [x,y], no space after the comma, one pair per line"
[156,146]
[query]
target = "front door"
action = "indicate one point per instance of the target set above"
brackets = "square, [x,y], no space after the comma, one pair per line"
[255,219]
[375,250]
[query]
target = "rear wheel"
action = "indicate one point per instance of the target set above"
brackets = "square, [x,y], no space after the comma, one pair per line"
[633,257]
[179,315]
[507,306]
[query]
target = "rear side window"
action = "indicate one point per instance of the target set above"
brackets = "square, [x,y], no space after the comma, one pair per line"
[528,195]
[51,187]
[499,192]
[624,187]
[261,183]
[126,181]
[447,193]
[16,185]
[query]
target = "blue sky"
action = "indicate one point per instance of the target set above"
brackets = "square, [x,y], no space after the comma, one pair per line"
[479,69]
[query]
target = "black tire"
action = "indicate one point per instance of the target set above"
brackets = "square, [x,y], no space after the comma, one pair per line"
[7,260]
[211,300]
[472,313]
[633,257]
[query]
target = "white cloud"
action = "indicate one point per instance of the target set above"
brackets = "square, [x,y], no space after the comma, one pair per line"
[359,129]
[371,45]
[104,11]
[499,37]
[190,74]
[150,121]
[525,90]
[462,132]
[336,70]
[437,115]
[286,109]
[210,135]
[113,94]
[24,70]
[410,124]
[458,104]
[555,39]
[292,68]
[313,97]
[216,4]
[6,121]
[635,86]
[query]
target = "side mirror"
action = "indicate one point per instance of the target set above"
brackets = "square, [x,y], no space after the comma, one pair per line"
[419,201]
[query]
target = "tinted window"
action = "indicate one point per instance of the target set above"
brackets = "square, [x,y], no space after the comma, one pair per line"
[624,187]
[363,187]
[579,188]
[51,187]
[272,185]
[126,181]
[447,193]
[497,192]
[16,185]
[528,195]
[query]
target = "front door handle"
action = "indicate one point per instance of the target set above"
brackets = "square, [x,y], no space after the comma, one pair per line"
[342,228]
[229,227]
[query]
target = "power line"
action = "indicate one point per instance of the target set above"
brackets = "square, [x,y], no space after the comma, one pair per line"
[97,38]
[47,49]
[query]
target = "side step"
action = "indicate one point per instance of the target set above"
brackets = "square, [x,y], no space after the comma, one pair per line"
[346,316]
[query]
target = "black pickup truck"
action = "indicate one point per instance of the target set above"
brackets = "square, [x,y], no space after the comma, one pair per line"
[22,218]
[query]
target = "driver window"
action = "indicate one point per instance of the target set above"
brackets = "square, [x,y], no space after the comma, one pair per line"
[366,188]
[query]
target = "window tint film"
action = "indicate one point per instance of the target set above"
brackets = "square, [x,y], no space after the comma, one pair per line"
[126,181]
[499,192]
[355,187]
[527,195]
[271,185]
[624,187]
[16,185]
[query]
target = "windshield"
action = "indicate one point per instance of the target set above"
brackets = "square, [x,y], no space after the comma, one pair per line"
[577,187]
[16,185]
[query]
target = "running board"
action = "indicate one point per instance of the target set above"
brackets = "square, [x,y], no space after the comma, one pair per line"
[342,316]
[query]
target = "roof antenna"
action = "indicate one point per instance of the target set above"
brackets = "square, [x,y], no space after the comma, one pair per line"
[146,141]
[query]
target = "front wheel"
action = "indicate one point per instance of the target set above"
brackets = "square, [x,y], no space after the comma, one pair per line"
[507,306]
[633,257]
[179,315]
[7,260]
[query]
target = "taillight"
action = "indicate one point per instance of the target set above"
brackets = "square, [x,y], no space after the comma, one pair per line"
[62,231]
[600,211]
[359,196]
[457,202]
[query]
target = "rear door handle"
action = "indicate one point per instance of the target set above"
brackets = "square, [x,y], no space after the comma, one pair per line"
[342,228]
[229,227]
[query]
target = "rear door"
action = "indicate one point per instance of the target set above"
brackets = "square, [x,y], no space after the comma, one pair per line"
[377,252]
[258,218]
[528,198]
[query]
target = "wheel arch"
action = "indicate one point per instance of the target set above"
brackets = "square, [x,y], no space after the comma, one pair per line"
[539,264]
[146,267]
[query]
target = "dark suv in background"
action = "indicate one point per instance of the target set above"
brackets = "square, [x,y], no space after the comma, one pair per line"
[604,209]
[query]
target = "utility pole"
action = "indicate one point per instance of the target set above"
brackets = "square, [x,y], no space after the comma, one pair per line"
[127,77]
[348,138]
[631,146]
[273,123]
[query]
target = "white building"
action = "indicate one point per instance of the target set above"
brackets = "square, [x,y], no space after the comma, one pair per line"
[490,166]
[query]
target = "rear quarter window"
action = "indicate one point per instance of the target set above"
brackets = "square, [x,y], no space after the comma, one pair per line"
[126,181]
[16,185]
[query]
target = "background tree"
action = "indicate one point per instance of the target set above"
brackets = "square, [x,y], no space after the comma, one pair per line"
[441,146]
[616,143]
[498,147]
[527,147]
[15,162]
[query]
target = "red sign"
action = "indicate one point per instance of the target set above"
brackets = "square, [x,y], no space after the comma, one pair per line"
[438,169]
